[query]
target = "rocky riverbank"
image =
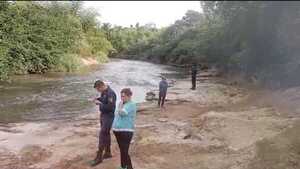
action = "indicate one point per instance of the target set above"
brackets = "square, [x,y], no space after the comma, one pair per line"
[218,126]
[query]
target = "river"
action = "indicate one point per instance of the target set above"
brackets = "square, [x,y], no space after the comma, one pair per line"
[61,96]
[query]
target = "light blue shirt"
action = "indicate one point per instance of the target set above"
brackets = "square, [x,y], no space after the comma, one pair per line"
[125,117]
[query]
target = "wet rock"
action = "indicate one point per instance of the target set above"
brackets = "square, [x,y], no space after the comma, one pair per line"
[163,120]
[199,137]
[32,154]
[9,160]
[234,83]
[8,128]
[80,134]
[178,123]
[215,146]
[183,134]
[233,149]
[187,136]
[150,96]
[232,94]
[145,126]
[250,118]
[212,73]
[146,140]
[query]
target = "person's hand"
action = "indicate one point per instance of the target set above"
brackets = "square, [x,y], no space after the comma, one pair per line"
[120,107]
[91,99]
[97,102]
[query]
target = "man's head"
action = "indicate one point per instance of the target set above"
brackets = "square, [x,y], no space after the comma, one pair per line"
[100,86]
[163,78]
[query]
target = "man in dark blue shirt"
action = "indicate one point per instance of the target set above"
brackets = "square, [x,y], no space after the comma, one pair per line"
[194,75]
[107,105]
[163,87]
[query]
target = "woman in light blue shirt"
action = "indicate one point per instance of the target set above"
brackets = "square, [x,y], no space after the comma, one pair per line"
[123,126]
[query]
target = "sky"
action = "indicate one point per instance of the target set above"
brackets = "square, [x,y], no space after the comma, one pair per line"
[126,13]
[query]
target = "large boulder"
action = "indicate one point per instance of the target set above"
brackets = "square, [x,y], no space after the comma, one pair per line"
[150,96]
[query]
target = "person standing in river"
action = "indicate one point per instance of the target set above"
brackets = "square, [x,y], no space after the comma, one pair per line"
[123,126]
[163,87]
[107,105]
[194,71]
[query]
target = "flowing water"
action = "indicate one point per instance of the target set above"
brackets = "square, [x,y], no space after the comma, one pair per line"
[60,96]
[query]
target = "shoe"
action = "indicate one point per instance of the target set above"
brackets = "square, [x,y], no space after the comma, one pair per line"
[98,158]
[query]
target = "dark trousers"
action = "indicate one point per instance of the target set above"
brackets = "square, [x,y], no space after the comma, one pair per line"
[162,98]
[194,81]
[124,139]
[104,135]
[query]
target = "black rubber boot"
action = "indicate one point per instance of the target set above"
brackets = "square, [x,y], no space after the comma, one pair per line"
[98,158]
[107,153]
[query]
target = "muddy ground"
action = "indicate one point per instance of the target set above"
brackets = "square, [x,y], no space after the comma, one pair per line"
[218,126]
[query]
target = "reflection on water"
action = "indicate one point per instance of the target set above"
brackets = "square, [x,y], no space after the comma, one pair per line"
[59,96]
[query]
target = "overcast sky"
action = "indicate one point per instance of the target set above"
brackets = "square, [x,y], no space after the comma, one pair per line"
[125,13]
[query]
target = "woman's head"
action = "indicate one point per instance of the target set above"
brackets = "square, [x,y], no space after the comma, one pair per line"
[126,94]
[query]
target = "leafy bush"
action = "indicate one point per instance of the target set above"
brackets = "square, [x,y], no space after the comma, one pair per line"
[41,36]
[68,63]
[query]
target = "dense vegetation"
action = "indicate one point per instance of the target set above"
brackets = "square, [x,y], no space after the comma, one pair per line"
[41,36]
[124,39]
[255,38]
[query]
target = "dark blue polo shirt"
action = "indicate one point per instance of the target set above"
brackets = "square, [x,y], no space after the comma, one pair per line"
[108,98]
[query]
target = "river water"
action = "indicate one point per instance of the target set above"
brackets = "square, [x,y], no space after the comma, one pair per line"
[60,96]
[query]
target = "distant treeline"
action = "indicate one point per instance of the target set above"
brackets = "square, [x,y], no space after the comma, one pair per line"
[254,38]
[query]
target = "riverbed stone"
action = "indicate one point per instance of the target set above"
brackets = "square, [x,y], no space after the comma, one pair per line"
[163,120]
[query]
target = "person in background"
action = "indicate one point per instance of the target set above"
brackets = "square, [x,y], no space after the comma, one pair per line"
[163,87]
[194,75]
[107,105]
[123,126]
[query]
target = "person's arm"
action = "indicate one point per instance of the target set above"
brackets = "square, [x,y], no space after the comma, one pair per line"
[166,84]
[124,111]
[97,100]
[128,110]
[160,86]
[120,105]
[111,103]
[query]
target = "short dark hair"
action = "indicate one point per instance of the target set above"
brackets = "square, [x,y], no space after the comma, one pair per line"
[99,83]
[127,91]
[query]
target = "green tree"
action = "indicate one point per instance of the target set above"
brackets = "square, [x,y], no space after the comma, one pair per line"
[41,36]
